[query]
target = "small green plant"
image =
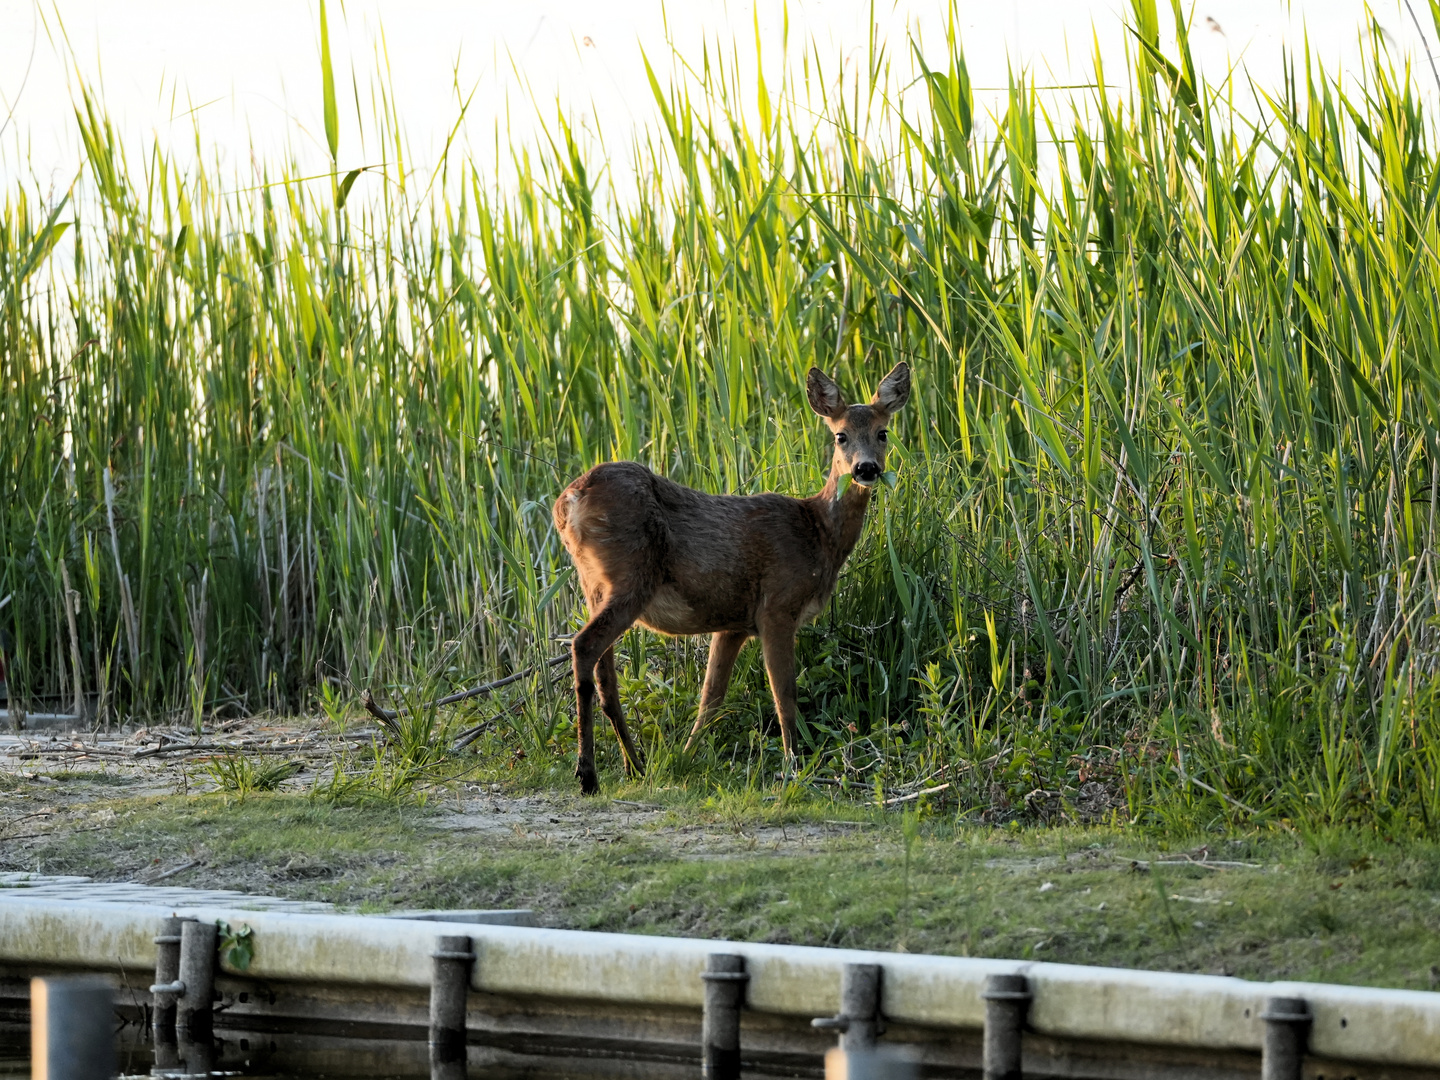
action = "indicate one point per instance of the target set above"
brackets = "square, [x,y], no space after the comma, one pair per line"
[381,774]
[237,945]
[242,775]
[332,701]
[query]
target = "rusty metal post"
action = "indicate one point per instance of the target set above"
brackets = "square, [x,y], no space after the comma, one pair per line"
[1287,1030]
[449,993]
[167,978]
[725,978]
[195,1002]
[1007,998]
[72,1029]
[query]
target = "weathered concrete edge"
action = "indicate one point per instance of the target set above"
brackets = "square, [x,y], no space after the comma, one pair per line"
[1400,1027]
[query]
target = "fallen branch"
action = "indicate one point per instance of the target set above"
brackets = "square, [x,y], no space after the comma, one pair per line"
[1203,864]
[915,795]
[387,717]
[175,748]
[465,738]
[955,772]
[59,751]
[230,748]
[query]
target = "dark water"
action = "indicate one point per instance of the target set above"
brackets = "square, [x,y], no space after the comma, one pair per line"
[318,1056]
[245,1054]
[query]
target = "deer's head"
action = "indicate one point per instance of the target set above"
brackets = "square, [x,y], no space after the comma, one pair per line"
[859,429]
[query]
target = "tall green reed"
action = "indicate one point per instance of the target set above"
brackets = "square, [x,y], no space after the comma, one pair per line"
[1168,483]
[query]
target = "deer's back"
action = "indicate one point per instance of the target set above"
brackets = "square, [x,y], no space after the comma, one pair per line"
[701,562]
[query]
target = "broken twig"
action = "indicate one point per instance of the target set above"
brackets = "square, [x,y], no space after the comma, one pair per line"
[387,717]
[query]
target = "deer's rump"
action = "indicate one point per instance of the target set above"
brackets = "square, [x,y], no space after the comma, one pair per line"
[689,562]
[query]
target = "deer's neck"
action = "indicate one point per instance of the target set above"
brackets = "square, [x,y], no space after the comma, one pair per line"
[846,514]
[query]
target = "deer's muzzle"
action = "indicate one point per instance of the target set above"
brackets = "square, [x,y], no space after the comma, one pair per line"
[867,472]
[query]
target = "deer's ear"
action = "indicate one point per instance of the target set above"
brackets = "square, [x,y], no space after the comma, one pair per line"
[894,389]
[825,397]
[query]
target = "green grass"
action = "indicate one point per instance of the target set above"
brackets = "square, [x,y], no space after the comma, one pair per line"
[1303,909]
[1168,480]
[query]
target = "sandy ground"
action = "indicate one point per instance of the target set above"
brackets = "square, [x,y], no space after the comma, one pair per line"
[54,780]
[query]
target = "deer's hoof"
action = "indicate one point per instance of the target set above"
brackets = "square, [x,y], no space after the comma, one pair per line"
[635,771]
[589,781]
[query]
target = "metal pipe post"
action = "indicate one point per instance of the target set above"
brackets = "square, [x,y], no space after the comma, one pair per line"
[858,1020]
[449,993]
[167,975]
[860,1006]
[72,1029]
[1007,998]
[725,978]
[1287,1030]
[195,1002]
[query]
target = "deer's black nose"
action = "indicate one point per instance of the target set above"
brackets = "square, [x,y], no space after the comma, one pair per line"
[867,472]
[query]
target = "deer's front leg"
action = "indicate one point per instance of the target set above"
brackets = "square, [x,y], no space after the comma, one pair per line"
[725,646]
[777,639]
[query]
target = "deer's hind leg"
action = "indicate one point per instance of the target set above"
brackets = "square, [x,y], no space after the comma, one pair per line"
[610,703]
[613,618]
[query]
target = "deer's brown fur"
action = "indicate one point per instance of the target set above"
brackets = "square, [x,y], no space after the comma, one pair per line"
[679,561]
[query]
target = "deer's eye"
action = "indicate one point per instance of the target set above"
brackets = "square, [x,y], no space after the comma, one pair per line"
[840,438]
[881,436]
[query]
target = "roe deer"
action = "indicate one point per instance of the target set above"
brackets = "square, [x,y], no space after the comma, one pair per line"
[683,562]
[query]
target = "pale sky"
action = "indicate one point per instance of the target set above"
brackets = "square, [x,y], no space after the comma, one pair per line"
[250,71]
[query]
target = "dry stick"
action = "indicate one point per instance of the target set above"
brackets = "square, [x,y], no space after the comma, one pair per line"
[1213,791]
[175,748]
[175,870]
[465,738]
[964,766]
[915,795]
[198,748]
[27,817]
[1204,864]
[387,717]
[43,835]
